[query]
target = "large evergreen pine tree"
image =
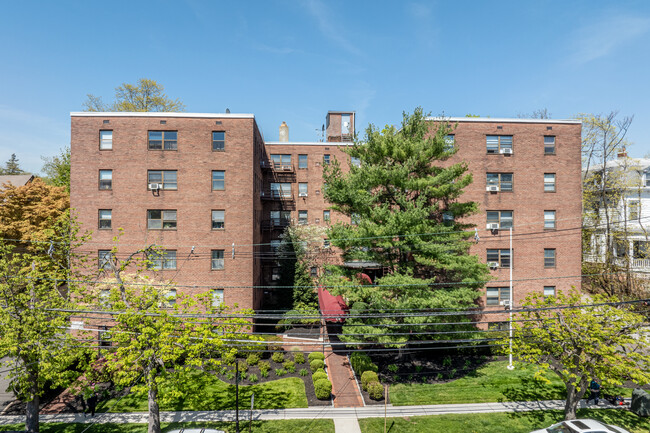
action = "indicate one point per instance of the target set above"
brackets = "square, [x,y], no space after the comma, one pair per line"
[404,203]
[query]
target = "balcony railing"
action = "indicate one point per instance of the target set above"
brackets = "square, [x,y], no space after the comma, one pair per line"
[276,195]
[278,166]
[637,265]
[275,224]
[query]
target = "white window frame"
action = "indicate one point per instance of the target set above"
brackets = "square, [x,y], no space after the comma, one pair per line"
[106,139]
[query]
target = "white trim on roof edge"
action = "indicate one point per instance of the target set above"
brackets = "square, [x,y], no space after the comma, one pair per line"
[160,114]
[308,143]
[503,120]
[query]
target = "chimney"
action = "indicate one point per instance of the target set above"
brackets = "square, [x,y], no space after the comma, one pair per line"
[284,132]
[622,153]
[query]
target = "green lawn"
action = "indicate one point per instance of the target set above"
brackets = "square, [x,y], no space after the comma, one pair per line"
[280,426]
[521,422]
[207,392]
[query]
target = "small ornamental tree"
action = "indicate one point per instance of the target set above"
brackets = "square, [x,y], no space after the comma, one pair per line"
[580,343]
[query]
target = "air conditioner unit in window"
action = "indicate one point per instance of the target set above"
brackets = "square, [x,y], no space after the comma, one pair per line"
[493,265]
[302,194]
[155,186]
[505,302]
[492,226]
[492,188]
[275,277]
[506,151]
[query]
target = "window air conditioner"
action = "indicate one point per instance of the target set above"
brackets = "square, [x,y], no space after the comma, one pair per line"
[492,188]
[505,302]
[302,194]
[492,226]
[506,151]
[153,186]
[493,265]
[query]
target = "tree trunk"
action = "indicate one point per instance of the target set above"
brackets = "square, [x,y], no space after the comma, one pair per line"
[31,412]
[154,410]
[573,397]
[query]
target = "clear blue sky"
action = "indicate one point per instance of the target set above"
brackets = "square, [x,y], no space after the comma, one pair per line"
[294,60]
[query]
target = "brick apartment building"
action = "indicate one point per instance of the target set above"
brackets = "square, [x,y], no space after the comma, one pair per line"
[209,191]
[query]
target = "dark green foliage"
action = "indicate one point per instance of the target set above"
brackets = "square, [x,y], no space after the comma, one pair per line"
[316,364]
[303,372]
[253,359]
[316,355]
[368,377]
[278,357]
[318,375]
[299,357]
[405,187]
[393,368]
[294,272]
[323,389]
[12,166]
[375,390]
[361,363]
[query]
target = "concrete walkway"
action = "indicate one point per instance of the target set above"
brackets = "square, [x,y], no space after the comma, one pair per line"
[326,412]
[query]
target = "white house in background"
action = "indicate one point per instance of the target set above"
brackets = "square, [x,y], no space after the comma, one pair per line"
[632,216]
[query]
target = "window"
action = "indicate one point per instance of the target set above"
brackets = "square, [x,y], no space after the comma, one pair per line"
[501,180]
[104,259]
[281,162]
[218,180]
[549,219]
[345,124]
[105,140]
[549,291]
[450,140]
[302,189]
[106,179]
[499,256]
[163,140]
[303,217]
[217,260]
[281,190]
[355,161]
[494,295]
[646,182]
[280,218]
[217,297]
[326,243]
[161,219]
[499,143]
[549,182]
[633,208]
[313,272]
[162,260]
[105,216]
[326,159]
[218,219]
[502,217]
[326,216]
[164,179]
[549,257]
[549,145]
[218,141]
[302,161]
[170,298]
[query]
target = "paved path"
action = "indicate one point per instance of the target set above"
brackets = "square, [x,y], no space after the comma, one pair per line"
[346,425]
[344,387]
[326,412]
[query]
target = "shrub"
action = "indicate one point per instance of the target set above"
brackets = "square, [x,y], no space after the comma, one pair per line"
[230,375]
[318,376]
[288,364]
[229,358]
[264,373]
[299,357]
[361,363]
[278,357]
[316,355]
[323,389]
[242,376]
[280,372]
[243,366]
[393,368]
[253,377]
[368,377]
[264,366]
[316,364]
[375,390]
[253,359]
[303,372]
[320,370]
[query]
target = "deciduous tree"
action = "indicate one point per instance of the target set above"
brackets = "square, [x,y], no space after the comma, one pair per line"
[57,169]
[578,343]
[146,95]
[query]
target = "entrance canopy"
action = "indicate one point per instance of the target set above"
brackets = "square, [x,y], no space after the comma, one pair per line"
[333,307]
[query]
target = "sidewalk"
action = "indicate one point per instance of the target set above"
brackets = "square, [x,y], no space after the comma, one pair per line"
[344,388]
[326,412]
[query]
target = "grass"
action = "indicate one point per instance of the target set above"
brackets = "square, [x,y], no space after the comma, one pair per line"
[207,392]
[492,382]
[520,422]
[275,426]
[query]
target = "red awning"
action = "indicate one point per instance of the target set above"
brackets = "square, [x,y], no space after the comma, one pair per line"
[331,306]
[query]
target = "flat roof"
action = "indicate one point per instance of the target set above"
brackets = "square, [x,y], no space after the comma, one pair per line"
[160,114]
[308,143]
[504,120]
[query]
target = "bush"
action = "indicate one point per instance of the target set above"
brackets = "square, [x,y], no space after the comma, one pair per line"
[316,355]
[375,390]
[320,370]
[242,376]
[264,366]
[290,366]
[361,363]
[264,373]
[278,357]
[323,389]
[299,357]
[253,377]
[230,375]
[316,364]
[303,372]
[393,368]
[276,344]
[229,358]
[280,372]
[318,375]
[253,359]
[368,377]
[243,366]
